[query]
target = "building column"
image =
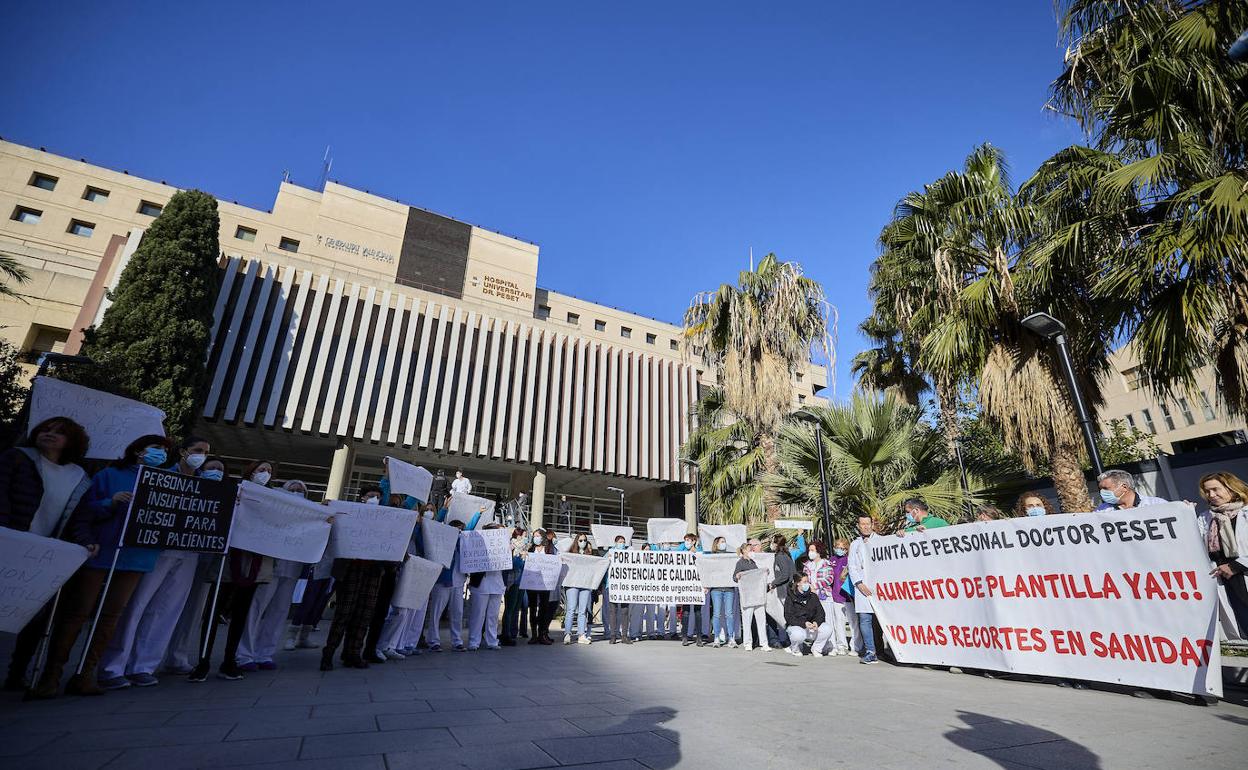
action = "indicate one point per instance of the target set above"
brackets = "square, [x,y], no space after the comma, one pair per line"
[691,512]
[539,499]
[339,471]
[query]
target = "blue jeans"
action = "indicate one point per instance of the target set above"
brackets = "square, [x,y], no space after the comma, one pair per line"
[723,612]
[578,600]
[866,632]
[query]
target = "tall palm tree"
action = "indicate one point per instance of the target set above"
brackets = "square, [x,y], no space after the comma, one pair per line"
[730,464]
[756,335]
[892,364]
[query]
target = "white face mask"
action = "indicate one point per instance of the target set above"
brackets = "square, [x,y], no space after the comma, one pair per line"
[196,460]
[261,477]
[372,501]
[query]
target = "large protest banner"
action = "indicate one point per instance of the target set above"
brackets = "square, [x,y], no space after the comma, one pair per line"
[111,422]
[1119,596]
[716,569]
[180,513]
[654,577]
[583,571]
[278,524]
[463,507]
[733,535]
[541,572]
[605,534]
[666,530]
[376,532]
[485,550]
[415,582]
[32,569]
[408,479]
[440,540]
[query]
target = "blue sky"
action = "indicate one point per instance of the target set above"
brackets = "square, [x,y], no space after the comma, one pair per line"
[646,147]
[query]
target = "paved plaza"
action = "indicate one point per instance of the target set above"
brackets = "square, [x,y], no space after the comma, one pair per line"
[650,705]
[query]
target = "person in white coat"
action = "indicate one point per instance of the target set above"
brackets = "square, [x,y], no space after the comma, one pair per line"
[266,621]
[1226,538]
[858,558]
[461,484]
[487,594]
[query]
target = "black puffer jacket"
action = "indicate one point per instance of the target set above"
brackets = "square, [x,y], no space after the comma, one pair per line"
[803,608]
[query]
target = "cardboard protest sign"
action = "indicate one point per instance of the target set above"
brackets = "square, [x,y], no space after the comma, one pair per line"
[583,571]
[605,534]
[408,479]
[180,513]
[440,540]
[111,422]
[464,507]
[541,572]
[415,582]
[753,587]
[563,544]
[666,530]
[654,577]
[32,570]
[278,524]
[376,532]
[485,550]
[1118,596]
[733,535]
[715,569]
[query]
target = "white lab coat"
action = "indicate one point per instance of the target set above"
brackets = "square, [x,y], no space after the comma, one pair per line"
[1226,617]
[859,555]
[462,485]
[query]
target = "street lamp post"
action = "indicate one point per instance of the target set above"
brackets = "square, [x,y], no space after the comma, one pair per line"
[697,488]
[1048,327]
[621,492]
[807,416]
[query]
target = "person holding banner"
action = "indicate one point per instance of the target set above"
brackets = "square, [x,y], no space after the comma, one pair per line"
[1117,490]
[1227,539]
[97,524]
[723,607]
[40,485]
[400,636]
[859,555]
[540,610]
[359,581]
[694,629]
[617,619]
[487,594]
[514,598]
[1033,504]
[757,612]
[804,619]
[577,601]
[266,620]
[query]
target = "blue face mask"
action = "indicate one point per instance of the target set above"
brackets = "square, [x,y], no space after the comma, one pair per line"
[213,475]
[1109,497]
[839,551]
[910,519]
[153,455]
[1035,510]
[805,589]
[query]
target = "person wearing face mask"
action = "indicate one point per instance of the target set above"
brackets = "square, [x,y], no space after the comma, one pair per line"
[618,618]
[540,612]
[695,625]
[804,618]
[402,630]
[577,600]
[919,518]
[241,576]
[271,605]
[645,617]
[461,484]
[143,634]
[40,485]
[1033,504]
[358,582]
[513,598]
[448,597]
[723,607]
[757,613]
[96,524]
[1117,489]
[825,575]
[859,555]
[487,593]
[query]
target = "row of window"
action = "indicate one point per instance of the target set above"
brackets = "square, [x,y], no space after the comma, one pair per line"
[29,216]
[249,234]
[543,311]
[1185,409]
[93,194]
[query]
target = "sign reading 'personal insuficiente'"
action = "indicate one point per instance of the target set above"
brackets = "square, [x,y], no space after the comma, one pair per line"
[180,513]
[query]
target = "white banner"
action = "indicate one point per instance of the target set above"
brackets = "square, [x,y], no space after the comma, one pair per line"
[32,570]
[439,540]
[654,577]
[541,572]
[583,571]
[485,550]
[376,532]
[716,569]
[278,524]
[605,534]
[415,582]
[666,530]
[1119,596]
[463,507]
[794,524]
[753,587]
[111,422]
[733,535]
[408,479]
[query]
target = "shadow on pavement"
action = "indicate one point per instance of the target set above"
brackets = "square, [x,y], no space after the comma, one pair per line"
[985,735]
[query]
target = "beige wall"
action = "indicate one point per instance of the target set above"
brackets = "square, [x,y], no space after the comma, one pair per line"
[501,271]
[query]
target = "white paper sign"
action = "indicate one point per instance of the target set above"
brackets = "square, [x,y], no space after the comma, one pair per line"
[485,550]
[654,577]
[563,544]
[541,572]
[666,530]
[439,540]
[278,524]
[716,569]
[408,479]
[111,422]
[605,534]
[463,507]
[794,524]
[753,587]
[376,532]
[415,582]
[583,571]
[1118,596]
[32,570]
[733,534]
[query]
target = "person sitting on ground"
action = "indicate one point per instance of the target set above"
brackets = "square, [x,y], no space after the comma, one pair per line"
[1118,492]
[804,619]
[1033,504]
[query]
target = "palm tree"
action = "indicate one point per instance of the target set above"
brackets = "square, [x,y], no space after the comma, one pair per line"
[756,335]
[730,464]
[10,270]
[892,364]
[878,453]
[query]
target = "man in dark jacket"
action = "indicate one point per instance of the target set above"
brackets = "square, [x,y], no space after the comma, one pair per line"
[803,614]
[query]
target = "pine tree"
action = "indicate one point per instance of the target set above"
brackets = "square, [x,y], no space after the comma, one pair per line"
[152,343]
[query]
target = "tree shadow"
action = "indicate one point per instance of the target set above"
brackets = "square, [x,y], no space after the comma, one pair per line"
[1009,743]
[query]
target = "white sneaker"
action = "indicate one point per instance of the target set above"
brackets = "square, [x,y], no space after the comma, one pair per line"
[747,648]
[732,644]
[584,640]
[289,645]
[822,654]
[763,648]
[838,652]
[795,653]
[393,654]
[852,653]
[567,639]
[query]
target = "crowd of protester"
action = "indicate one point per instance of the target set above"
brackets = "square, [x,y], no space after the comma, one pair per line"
[163,608]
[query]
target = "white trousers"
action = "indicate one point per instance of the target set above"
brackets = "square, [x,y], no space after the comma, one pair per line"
[443,597]
[483,616]
[759,614]
[142,636]
[798,636]
[842,617]
[266,620]
[183,652]
[402,628]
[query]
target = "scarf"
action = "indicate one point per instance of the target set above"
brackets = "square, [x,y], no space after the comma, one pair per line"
[1222,531]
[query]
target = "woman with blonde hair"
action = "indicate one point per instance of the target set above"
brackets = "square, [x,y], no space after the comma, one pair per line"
[744,564]
[1227,539]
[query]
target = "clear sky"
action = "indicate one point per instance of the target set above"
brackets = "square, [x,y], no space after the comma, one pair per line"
[646,147]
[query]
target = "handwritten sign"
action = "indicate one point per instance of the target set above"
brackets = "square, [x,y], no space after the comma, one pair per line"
[180,513]
[408,479]
[541,572]
[666,530]
[278,524]
[464,507]
[485,550]
[415,582]
[111,422]
[32,570]
[583,571]
[376,532]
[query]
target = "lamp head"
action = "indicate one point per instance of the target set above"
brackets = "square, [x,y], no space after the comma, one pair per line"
[1044,325]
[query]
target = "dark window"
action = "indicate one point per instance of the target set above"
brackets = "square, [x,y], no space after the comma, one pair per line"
[651,339]
[288,244]
[543,311]
[600,326]
[95,195]
[675,345]
[573,318]
[43,181]
[626,332]
[78,227]
[147,208]
[245,234]
[27,216]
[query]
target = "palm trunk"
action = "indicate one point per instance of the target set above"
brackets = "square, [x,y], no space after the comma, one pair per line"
[1072,487]
[947,395]
[767,442]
